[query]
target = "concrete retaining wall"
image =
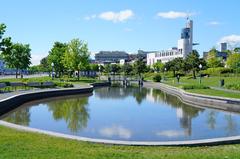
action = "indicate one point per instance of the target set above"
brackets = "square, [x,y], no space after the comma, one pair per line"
[227,104]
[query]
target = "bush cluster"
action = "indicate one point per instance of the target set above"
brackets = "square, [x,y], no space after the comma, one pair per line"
[187,87]
[157,78]
[233,86]
[217,71]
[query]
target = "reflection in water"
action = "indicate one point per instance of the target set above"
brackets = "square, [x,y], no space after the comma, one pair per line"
[21,117]
[211,119]
[138,93]
[231,127]
[184,112]
[74,111]
[119,131]
[115,114]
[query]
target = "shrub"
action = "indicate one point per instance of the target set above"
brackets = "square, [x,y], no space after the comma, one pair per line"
[233,86]
[157,78]
[217,71]
[186,87]
[64,84]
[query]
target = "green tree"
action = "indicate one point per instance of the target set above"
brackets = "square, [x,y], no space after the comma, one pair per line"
[18,57]
[5,43]
[158,66]
[192,62]
[114,68]
[127,69]
[44,66]
[76,57]
[139,67]
[233,61]
[55,56]
[213,61]
[174,65]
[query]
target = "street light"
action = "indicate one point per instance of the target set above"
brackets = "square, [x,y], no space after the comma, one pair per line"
[200,80]
[165,69]
[52,70]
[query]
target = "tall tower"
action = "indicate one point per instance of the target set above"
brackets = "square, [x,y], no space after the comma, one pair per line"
[185,44]
[190,26]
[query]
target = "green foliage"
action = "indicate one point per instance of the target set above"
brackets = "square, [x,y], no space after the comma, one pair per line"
[217,71]
[56,55]
[115,68]
[212,60]
[157,78]
[139,67]
[233,61]
[94,67]
[235,86]
[64,84]
[5,43]
[197,86]
[192,62]
[158,66]
[18,57]
[76,56]
[127,69]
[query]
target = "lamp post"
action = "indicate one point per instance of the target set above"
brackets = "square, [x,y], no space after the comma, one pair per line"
[52,70]
[165,69]
[200,80]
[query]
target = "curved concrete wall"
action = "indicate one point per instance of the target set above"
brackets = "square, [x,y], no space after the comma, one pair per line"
[227,104]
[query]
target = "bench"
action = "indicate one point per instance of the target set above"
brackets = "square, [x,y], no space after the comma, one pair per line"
[34,84]
[3,85]
[16,84]
[48,84]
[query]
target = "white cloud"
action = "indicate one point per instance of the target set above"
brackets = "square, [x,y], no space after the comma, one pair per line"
[36,58]
[170,133]
[115,17]
[232,41]
[214,23]
[174,15]
[90,17]
[116,131]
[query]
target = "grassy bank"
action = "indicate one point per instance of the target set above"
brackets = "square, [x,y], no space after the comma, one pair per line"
[206,82]
[16,144]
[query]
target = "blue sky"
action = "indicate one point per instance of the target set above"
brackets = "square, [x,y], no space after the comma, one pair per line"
[126,25]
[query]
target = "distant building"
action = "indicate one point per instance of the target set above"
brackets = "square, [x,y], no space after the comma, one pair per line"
[222,53]
[223,47]
[111,56]
[185,46]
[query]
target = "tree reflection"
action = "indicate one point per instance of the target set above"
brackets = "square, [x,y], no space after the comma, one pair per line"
[138,93]
[21,117]
[231,127]
[211,119]
[74,111]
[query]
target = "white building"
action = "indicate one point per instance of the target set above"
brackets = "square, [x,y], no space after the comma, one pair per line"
[185,45]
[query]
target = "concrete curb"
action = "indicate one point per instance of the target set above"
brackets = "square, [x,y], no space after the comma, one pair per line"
[221,103]
[204,142]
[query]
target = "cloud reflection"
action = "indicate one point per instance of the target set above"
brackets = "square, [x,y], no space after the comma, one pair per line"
[116,131]
[170,133]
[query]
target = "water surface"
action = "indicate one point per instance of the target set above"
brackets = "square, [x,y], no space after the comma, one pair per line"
[133,114]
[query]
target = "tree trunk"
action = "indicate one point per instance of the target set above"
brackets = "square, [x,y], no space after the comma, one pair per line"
[78,75]
[174,73]
[194,74]
[17,73]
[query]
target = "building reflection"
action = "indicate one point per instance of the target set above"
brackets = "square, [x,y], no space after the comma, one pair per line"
[184,113]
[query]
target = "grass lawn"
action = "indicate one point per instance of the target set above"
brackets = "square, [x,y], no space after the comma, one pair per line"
[212,92]
[16,144]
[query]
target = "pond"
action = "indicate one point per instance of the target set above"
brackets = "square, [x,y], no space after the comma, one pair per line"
[129,114]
